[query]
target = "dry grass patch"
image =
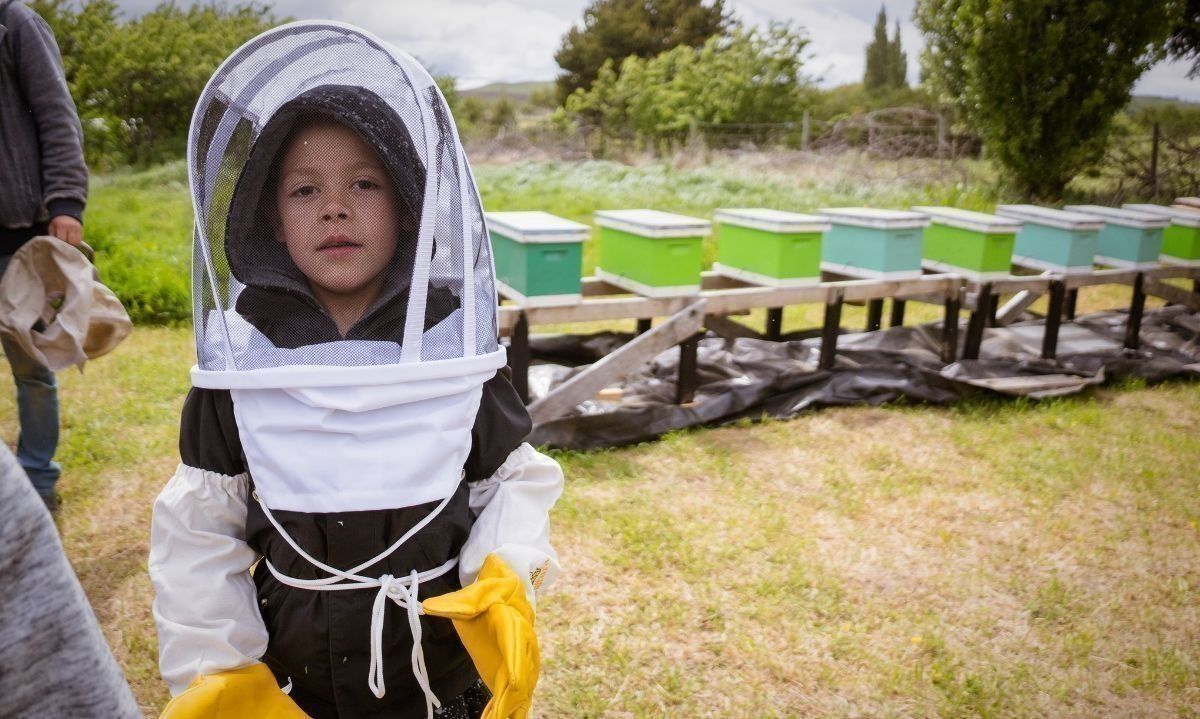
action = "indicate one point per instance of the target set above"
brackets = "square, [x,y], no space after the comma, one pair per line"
[993,559]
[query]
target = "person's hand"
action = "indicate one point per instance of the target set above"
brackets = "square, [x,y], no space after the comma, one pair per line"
[494,620]
[68,229]
[236,694]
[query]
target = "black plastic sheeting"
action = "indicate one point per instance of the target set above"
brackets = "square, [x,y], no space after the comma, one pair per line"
[752,378]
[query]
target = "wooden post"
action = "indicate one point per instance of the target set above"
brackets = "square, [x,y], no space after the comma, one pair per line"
[1058,292]
[897,319]
[685,387]
[1133,327]
[1154,162]
[610,368]
[942,144]
[874,315]
[950,327]
[774,323]
[724,327]
[805,131]
[518,357]
[983,310]
[830,330]
[1072,298]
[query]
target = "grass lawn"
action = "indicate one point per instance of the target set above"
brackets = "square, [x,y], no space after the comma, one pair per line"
[993,559]
[1004,559]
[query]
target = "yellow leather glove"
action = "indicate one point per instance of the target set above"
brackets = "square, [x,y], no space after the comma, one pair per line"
[495,623]
[247,692]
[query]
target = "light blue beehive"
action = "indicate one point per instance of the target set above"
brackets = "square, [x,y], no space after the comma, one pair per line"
[871,243]
[1053,240]
[1129,238]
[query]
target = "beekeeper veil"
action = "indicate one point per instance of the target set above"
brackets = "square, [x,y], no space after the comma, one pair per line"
[373,413]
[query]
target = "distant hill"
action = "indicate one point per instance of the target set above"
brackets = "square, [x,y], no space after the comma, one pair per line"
[1138,102]
[515,91]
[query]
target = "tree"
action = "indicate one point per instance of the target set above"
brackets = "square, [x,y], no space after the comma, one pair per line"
[751,76]
[1184,43]
[136,82]
[887,64]
[878,55]
[616,29]
[897,61]
[1041,80]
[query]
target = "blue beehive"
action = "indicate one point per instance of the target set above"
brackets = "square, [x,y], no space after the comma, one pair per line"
[870,243]
[1129,238]
[1053,240]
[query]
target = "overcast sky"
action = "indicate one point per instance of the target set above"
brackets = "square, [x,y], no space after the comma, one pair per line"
[482,41]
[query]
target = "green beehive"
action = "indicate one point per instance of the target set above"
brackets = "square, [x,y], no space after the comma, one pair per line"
[1129,238]
[973,244]
[1181,239]
[769,247]
[1053,240]
[869,243]
[538,257]
[652,253]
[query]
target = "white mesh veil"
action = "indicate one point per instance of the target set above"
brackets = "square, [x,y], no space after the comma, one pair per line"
[436,314]
[339,410]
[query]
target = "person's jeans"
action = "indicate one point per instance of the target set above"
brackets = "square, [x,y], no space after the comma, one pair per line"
[37,412]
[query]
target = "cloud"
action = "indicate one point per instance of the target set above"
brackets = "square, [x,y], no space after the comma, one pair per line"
[511,40]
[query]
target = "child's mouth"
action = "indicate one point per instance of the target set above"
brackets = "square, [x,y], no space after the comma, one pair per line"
[337,246]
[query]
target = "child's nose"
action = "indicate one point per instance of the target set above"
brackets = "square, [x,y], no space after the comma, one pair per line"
[336,208]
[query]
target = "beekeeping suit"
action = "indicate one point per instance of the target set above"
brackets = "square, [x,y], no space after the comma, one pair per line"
[368,468]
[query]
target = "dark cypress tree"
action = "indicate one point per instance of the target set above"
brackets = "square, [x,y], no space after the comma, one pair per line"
[876,75]
[897,61]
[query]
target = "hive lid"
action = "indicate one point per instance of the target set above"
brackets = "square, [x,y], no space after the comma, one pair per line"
[973,221]
[537,226]
[1124,218]
[1178,215]
[875,218]
[776,221]
[1188,202]
[653,223]
[1051,217]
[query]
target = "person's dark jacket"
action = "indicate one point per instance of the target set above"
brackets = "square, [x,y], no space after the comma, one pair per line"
[42,172]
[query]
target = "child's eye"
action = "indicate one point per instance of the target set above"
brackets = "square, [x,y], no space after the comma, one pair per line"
[366,185]
[304,191]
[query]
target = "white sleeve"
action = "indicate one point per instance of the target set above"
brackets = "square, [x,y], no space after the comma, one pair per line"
[205,607]
[512,509]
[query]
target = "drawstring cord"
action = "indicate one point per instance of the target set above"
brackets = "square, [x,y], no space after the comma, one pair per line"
[403,592]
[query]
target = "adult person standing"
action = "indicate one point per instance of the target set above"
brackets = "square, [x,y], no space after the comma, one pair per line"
[43,190]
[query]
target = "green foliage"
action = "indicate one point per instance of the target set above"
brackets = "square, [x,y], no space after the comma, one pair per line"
[136,81]
[897,61]
[449,87]
[503,115]
[615,29]
[1041,80]
[876,74]
[887,63]
[1184,43]
[853,99]
[749,76]
[546,97]
[140,225]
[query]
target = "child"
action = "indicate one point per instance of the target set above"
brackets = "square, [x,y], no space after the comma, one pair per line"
[350,424]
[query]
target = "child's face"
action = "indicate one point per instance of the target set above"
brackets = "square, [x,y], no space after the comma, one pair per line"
[338,214]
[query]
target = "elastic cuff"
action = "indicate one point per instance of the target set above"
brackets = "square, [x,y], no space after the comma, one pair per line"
[65,206]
